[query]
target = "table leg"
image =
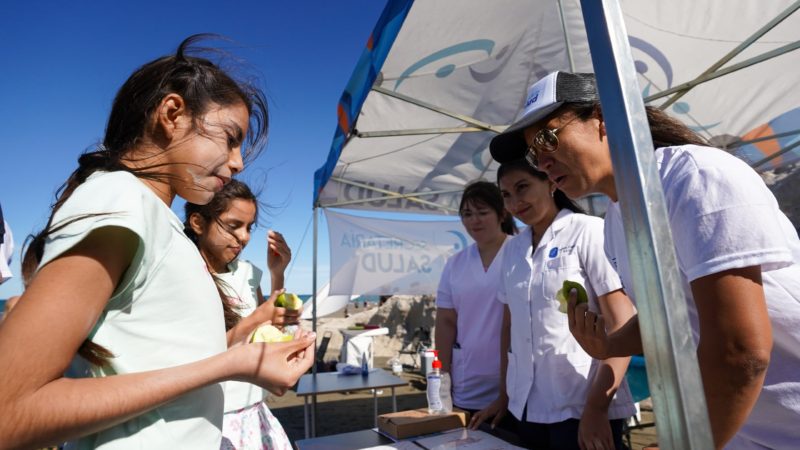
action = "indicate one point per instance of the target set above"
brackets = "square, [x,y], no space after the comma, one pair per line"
[314,415]
[305,415]
[375,401]
[394,401]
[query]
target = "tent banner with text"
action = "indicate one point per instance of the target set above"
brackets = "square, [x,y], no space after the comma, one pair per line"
[385,257]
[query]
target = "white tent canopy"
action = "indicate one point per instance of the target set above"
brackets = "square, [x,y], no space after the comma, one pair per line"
[457,72]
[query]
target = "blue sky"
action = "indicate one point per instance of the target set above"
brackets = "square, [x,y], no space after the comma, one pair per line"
[64,61]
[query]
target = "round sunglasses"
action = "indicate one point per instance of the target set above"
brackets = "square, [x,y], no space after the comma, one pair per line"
[544,141]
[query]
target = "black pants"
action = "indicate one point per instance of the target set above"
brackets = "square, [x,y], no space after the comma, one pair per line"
[505,430]
[560,435]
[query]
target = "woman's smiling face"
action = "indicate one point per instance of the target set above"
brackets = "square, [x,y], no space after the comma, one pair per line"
[527,197]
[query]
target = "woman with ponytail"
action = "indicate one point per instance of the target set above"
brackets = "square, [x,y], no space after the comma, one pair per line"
[113,278]
[738,256]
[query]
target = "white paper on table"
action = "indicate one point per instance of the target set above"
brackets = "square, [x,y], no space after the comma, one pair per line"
[465,439]
[402,445]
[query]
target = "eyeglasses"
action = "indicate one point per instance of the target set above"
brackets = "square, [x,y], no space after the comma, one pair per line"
[544,141]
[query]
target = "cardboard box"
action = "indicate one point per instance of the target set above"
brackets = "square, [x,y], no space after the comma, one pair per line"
[415,422]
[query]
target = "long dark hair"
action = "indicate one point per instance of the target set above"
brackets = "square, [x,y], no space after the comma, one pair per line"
[561,200]
[201,83]
[665,130]
[210,212]
[486,193]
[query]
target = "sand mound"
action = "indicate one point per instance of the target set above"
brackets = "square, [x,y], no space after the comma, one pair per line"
[401,314]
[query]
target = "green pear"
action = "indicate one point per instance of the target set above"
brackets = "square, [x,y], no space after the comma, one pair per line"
[289,301]
[268,333]
[563,294]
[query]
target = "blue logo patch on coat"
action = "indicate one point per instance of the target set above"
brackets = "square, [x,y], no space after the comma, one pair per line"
[553,252]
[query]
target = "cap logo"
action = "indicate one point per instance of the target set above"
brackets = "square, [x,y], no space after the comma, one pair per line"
[532,98]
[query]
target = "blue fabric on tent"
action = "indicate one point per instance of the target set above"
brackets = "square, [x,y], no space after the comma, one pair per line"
[364,75]
[637,378]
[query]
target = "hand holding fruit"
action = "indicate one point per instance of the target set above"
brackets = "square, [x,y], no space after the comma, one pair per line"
[277,362]
[288,308]
[563,294]
[588,328]
[268,333]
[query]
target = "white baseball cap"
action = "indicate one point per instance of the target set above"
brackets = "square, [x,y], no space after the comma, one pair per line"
[544,97]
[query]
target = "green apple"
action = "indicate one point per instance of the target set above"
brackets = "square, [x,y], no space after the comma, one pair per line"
[563,294]
[268,333]
[288,301]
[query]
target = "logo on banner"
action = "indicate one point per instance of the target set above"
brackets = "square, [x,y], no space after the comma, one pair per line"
[645,50]
[461,244]
[496,61]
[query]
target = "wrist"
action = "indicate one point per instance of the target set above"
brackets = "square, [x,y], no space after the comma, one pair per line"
[503,397]
[276,279]
[235,364]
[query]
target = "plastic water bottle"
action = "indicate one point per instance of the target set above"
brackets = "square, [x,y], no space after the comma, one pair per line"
[444,393]
[397,366]
[364,365]
[434,389]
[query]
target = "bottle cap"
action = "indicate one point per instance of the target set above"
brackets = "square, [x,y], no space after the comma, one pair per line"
[436,364]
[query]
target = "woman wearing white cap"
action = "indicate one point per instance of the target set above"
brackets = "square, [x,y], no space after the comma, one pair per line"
[562,398]
[737,253]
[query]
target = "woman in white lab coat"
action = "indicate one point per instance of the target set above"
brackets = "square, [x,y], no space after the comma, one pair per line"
[468,319]
[562,397]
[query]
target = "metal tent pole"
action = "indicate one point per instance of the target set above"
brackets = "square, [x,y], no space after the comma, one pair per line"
[674,376]
[314,321]
[563,17]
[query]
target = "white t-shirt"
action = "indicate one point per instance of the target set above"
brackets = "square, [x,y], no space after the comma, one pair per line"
[722,216]
[470,291]
[547,369]
[241,284]
[165,312]
[6,253]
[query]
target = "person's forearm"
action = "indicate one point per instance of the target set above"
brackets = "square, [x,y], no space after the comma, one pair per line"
[505,344]
[445,337]
[610,374]
[68,408]
[626,341]
[729,402]
[276,281]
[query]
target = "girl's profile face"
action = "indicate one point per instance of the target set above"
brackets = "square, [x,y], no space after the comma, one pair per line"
[481,222]
[222,240]
[202,159]
[581,164]
[526,196]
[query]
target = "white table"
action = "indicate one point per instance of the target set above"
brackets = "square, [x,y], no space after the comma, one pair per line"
[357,343]
[332,382]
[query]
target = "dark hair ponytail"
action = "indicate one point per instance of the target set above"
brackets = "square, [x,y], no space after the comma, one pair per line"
[489,194]
[201,83]
[210,212]
[560,198]
[665,130]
